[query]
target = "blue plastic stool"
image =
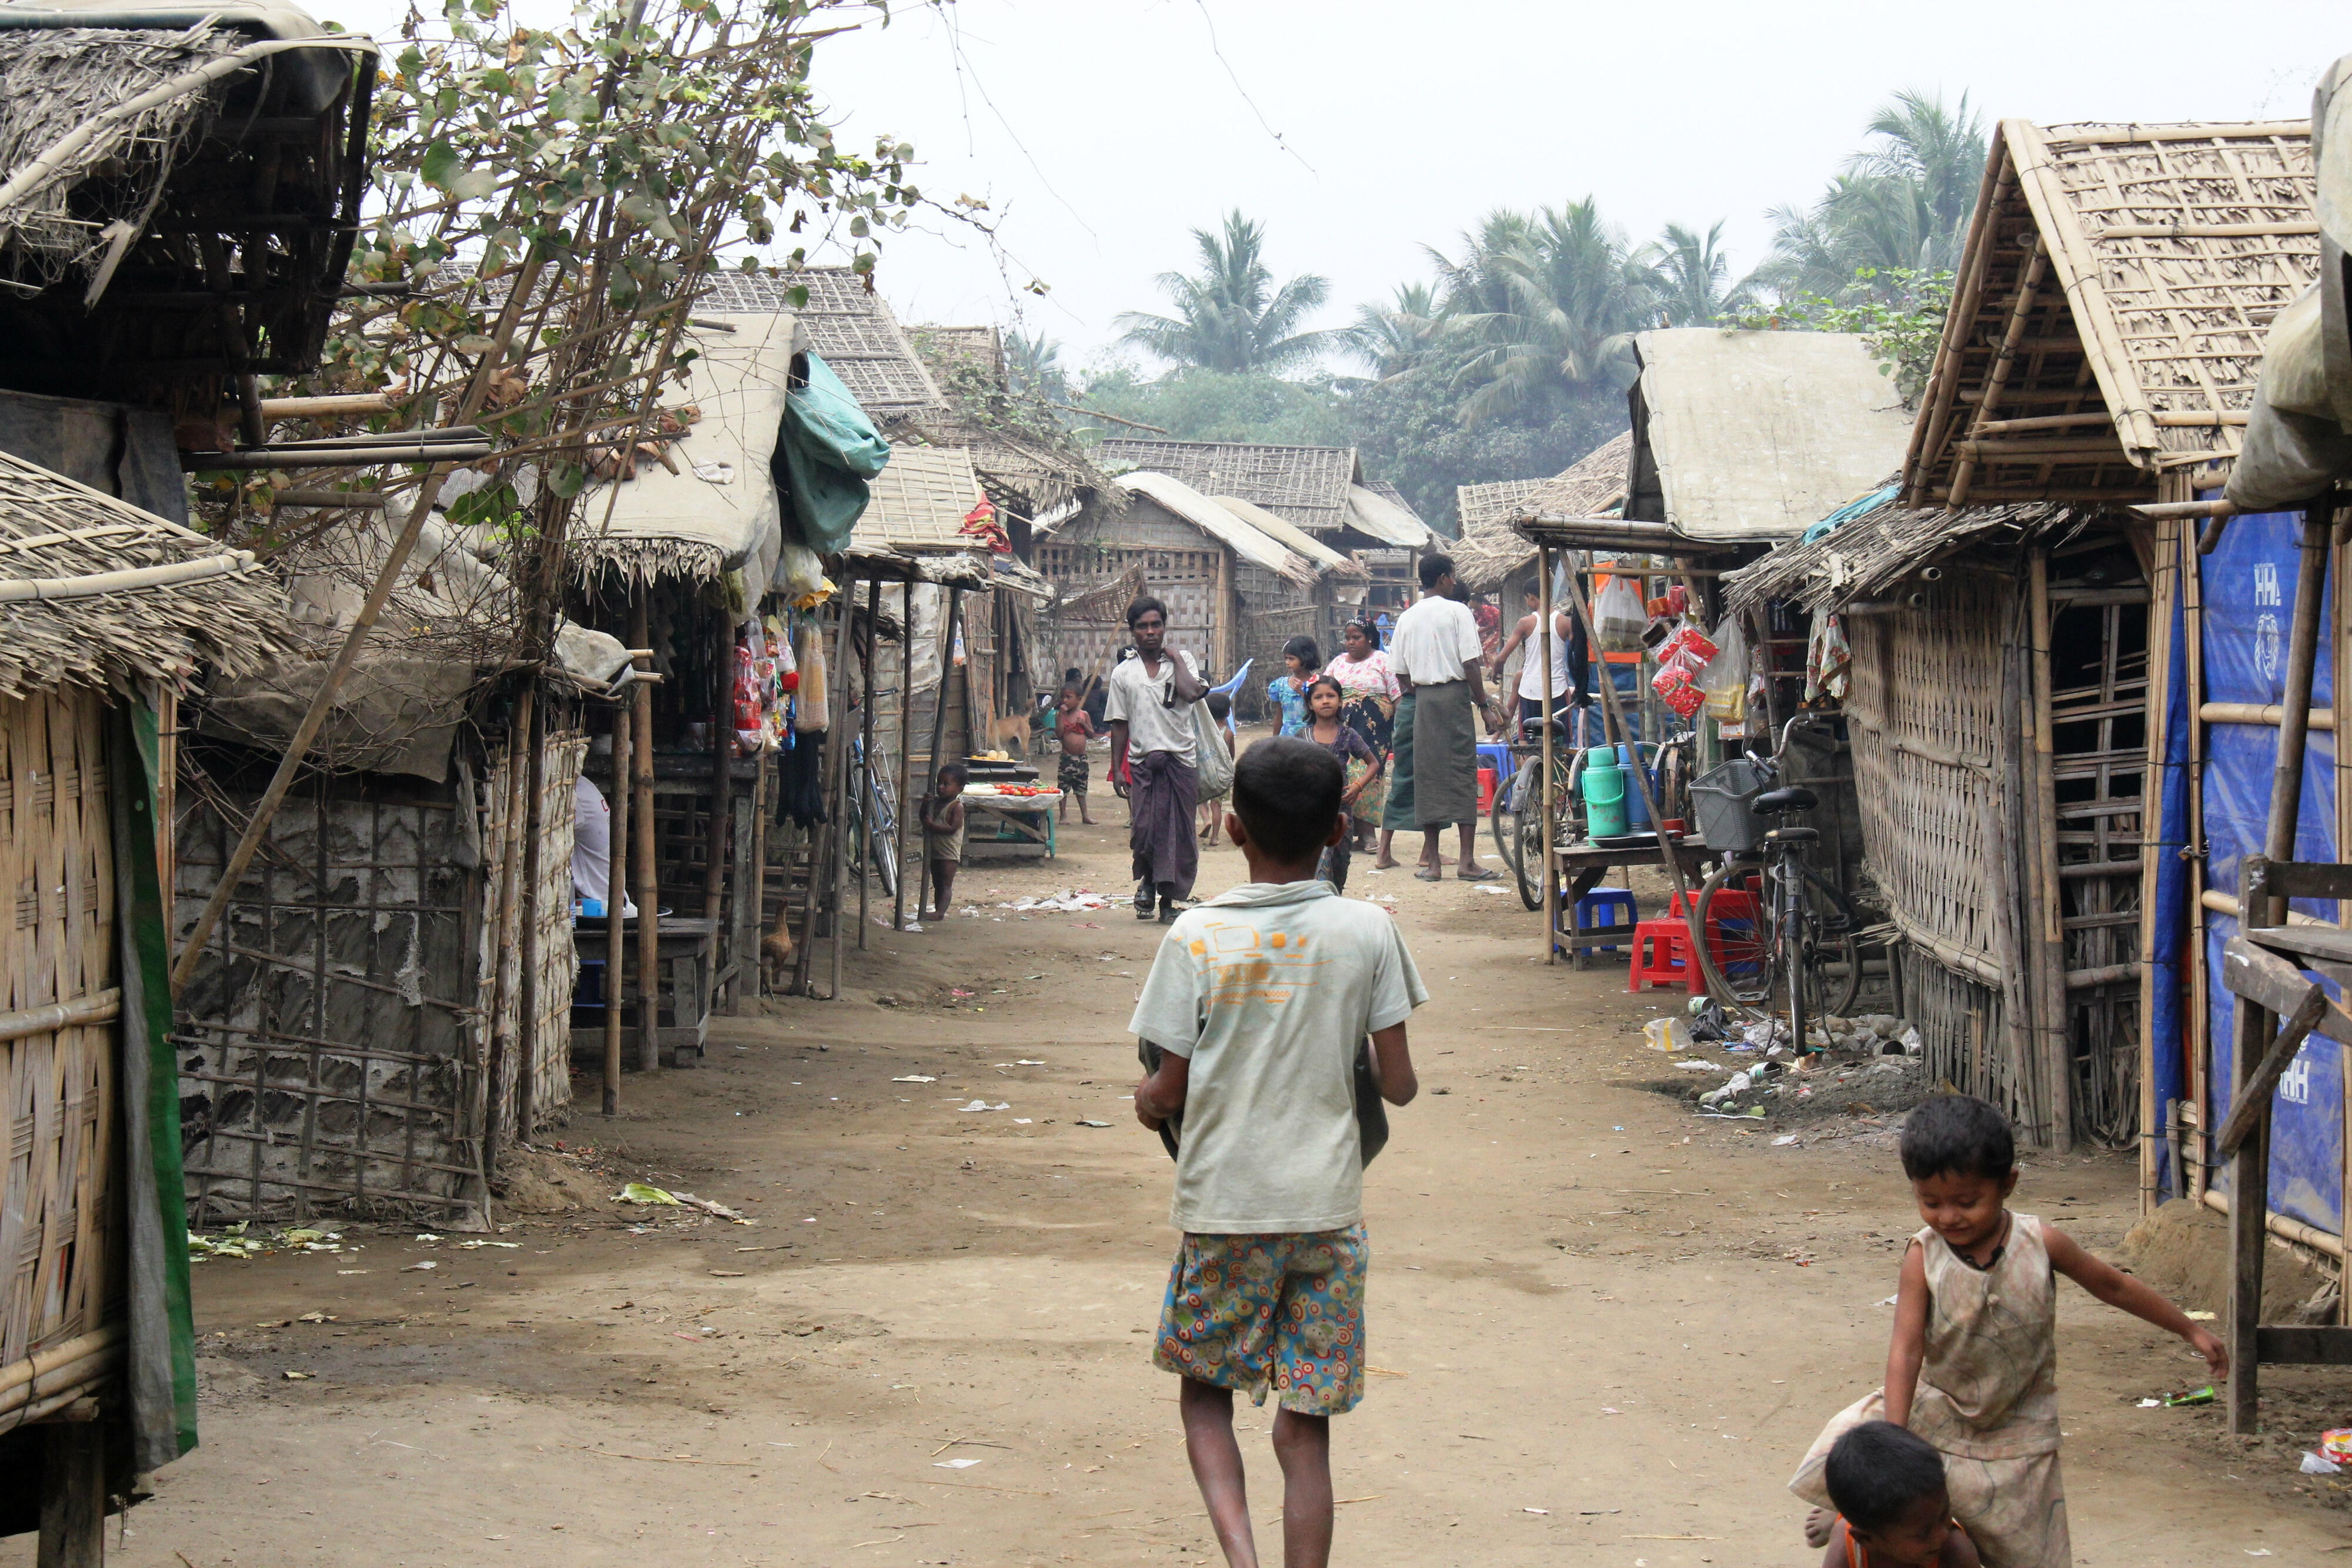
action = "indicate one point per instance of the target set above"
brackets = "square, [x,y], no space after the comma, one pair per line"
[1587,916]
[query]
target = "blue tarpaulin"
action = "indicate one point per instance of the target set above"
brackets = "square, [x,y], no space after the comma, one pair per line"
[2248,593]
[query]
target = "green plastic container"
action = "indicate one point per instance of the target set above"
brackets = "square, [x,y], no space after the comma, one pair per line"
[1604,795]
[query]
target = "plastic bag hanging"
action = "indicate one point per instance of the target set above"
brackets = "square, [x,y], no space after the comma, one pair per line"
[1619,616]
[1725,679]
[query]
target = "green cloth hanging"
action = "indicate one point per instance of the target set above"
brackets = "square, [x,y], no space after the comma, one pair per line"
[828,451]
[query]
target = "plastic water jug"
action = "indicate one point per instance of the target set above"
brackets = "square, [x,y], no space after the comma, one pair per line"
[1637,815]
[1603,783]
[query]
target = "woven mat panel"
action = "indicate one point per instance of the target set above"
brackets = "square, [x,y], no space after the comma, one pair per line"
[1926,742]
[1963,1036]
[330,1037]
[1303,485]
[57,1198]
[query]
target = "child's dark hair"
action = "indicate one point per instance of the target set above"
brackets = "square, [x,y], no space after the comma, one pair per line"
[1287,793]
[1319,682]
[1878,1470]
[956,772]
[1219,705]
[1958,1135]
[1304,650]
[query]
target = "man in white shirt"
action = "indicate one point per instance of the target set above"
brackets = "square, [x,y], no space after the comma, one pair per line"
[1149,710]
[1438,659]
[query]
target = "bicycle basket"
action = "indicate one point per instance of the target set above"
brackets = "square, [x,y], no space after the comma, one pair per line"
[1720,800]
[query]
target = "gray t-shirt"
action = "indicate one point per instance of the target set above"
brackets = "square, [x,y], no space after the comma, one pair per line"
[1269,989]
[1142,701]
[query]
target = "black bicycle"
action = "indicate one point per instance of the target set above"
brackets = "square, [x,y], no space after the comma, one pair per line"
[1773,937]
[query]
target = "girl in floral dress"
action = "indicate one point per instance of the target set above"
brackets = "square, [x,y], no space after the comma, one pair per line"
[1287,693]
[1369,695]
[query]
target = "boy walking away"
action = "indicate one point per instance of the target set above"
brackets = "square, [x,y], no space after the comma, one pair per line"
[1073,729]
[943,836]
[1153,760]
[1894,1508]
[1259,999]
[1973,1367]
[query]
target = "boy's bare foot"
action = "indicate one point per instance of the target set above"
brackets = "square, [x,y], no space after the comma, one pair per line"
[1819,1525]
[1386,863]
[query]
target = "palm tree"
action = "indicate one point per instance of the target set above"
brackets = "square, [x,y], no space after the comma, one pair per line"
[1230,315]
[1034,365]
[1397,338]
[1903,203]
[1693,277]
[1550,301]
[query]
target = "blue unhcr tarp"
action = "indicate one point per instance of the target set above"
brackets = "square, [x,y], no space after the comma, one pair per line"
[2248,590]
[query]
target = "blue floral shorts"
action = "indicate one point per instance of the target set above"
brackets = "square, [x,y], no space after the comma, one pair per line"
[1285,1310]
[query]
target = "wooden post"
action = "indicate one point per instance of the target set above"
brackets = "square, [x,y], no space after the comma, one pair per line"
[865,753]
[502,1051]
[1549,803]
[530,918]
[2055,1053]
[906,747]
[838,736]
[73,1495]
[2199,1065]
[722,781]
[2250,1168]
[617,898]
[2163,591]
[939,727]
[641,785]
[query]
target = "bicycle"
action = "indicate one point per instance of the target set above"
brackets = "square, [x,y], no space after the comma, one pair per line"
[873,820]
[1766,925]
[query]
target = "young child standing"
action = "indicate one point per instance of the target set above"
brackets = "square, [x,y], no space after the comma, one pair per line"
[1360,765]
[1073,728]
[943,836]
[1973,1367]
[1259,1001]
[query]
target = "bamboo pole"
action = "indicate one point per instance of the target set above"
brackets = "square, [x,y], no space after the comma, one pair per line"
[1551,786]
[2339,714]
[2164,591]
[2055,1054]
[534,813]
[641,785]
[1928,434]
[836,728]
[2250,1168]
[2029,286]
[722,757]
[906,749]
[2199,1044]
[939,727]
[865,753]
[617,898]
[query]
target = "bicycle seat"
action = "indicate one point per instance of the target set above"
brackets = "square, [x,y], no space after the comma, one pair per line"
[1794,836]
[1795,797]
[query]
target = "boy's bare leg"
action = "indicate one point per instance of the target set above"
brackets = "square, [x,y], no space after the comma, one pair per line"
[1216,1458]
[1303,1444]
[1082,816]
[944,874]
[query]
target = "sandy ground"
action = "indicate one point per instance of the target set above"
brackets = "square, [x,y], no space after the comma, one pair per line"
[1605,1328]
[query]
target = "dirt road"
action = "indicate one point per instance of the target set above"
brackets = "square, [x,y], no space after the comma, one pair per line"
[1604,1328]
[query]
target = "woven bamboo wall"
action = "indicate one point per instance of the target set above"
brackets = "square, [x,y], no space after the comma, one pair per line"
[1934,726]
[330,1037]
[550,953]
[57,1196]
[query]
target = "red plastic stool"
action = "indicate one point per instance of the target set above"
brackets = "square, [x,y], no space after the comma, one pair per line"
[1662,956]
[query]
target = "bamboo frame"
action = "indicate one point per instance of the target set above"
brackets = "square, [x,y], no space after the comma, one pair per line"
[906,747]
[617,899]
[2164,592]
[836,728]
[866,739]
[641,785]
[2056,1055]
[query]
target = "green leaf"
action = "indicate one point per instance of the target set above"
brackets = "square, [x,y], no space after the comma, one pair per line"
[441,165]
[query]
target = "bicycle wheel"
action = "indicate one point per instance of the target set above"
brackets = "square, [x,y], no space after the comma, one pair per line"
[1736,951]
[1516,840]
[1832,958]
[1501,815]
[883,834]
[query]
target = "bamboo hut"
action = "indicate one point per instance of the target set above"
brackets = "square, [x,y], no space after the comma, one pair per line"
[111,609]
[2016,615]
[1229,588]
[1321,489]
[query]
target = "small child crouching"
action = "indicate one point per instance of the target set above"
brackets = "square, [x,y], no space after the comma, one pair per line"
[1973,1367]
[1894,1508]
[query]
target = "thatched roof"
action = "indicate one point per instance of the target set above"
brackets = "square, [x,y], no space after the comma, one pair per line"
[1753,437]
[1378,510]
[92,590]
[1180,500]
[1307,485]
[126,149]
[847,327]
[1290,536]
[982,347]
[2157,257]
[1868,556]
[1490,550]
[918,502]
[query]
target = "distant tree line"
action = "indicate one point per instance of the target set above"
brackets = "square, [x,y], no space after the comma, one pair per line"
[1511,360]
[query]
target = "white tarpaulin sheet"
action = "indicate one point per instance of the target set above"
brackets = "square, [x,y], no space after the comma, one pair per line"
[1758,435]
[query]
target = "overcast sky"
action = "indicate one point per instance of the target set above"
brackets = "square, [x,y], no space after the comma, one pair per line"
[1102,131]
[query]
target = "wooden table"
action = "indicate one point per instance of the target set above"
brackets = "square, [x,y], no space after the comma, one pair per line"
[1012,813]
[681,976]
[1581,867]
